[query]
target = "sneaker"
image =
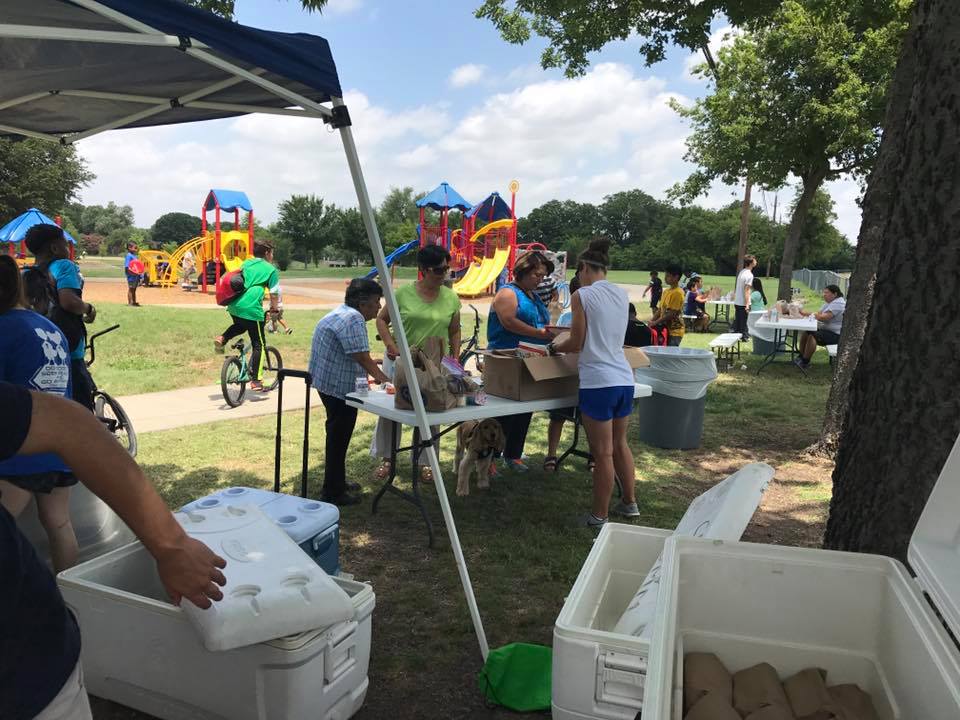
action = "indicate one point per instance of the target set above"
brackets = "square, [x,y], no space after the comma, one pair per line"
[344,499]
[218,344]
[515,465]
[591,521]
[627,510]
[256,386]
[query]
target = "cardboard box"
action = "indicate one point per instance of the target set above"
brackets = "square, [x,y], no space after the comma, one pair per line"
[539,378]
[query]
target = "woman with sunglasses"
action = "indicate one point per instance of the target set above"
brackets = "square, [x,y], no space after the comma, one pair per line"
[518,313]
[428,308]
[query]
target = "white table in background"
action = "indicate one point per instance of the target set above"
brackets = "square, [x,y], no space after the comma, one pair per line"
[718,307]
[786,332]
[379,403]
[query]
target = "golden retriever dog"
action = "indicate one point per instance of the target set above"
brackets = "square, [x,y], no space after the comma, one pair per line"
[477,443]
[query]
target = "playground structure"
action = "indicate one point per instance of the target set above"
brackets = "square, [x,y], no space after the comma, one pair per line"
[214,253]
[14,234]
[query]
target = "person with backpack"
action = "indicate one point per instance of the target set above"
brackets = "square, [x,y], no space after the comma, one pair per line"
[246,308]
[54,288]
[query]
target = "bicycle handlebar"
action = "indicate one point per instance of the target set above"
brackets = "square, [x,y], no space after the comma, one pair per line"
[92,339]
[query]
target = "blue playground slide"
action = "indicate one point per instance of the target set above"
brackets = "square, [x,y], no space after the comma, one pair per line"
[392,257]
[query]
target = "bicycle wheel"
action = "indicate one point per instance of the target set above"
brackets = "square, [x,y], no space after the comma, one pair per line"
[272,365]
[232,382]
[115,418]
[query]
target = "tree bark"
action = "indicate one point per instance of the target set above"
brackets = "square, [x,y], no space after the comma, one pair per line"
[877,205]
[811,183]
[744,224]
[904,408]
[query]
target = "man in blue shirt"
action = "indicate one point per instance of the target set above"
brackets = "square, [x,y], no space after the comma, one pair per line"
[49,246]
[133,278]
[339,355]
[40,673]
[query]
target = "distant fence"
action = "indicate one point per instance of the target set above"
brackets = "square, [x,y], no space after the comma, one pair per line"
[819,279]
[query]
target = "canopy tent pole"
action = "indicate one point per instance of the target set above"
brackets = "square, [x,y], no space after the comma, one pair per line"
[376,248]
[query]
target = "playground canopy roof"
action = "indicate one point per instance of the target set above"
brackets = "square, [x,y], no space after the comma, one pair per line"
[492,208]
[72,69]
[15,230]
[228,200]
[443,197]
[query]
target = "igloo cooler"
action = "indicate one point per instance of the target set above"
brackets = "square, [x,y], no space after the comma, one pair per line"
[312,524]
[143,652]
[863,618]
[600,650]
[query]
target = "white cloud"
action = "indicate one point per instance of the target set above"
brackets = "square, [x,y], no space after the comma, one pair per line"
[580,139]
[718,38]
[342,7]
[467,75]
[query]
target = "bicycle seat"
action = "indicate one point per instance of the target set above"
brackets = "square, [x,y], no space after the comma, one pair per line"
[238,345]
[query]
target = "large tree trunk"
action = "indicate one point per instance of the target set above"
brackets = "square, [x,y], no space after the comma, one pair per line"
[877,206]
[744,225]
[811,183]
[904,411]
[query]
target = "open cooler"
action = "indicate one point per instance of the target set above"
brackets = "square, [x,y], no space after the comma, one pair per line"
[600,648]
[141,651]
[863,618]
[312,524]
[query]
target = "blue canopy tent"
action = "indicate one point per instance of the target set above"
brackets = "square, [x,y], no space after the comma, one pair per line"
[70,69]
[16,230]
[443,197]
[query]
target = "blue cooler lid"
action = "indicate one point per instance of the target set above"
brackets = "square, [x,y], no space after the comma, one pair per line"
[301,518]
[232,496]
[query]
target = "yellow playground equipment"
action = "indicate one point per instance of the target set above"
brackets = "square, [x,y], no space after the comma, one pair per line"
[483,273]
[213,252]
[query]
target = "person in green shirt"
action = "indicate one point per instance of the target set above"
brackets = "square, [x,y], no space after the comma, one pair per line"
[427,309]
[247,310]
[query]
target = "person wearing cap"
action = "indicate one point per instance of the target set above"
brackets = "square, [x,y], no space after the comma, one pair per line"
[518,314]
[246,311]
[49,246]
[133,278]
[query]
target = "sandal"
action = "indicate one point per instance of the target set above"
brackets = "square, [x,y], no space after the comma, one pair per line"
[383,472]
[426,474]
[550,463]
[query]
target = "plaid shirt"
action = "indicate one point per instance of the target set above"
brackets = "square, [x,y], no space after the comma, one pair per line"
[337,336]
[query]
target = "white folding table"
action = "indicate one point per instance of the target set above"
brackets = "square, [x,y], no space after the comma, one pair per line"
[786,332]
[720,307]
[379,403]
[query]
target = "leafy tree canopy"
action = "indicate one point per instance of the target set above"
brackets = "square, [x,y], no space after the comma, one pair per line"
[40,174]
[225,8]
[175,227]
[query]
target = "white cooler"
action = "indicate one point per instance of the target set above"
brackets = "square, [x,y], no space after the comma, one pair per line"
[599,673]
[141,651]
[861,617]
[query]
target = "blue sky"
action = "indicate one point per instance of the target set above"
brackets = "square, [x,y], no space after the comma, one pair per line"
[435,94]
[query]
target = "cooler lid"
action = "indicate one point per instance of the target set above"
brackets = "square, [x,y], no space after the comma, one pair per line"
[934,551]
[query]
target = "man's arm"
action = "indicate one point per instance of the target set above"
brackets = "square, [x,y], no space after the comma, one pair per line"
[747,289]
[370,365]
[187,567]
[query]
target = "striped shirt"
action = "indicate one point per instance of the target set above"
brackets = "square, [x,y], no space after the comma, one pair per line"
[340,334]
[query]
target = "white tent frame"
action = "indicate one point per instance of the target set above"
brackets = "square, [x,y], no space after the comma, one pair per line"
[337,115]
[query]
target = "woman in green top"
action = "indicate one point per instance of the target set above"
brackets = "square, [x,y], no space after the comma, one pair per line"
[427,309]
[247,310]
[758,301]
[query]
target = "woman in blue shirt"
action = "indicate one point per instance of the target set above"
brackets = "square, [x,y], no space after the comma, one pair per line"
[517,313]
[34,353]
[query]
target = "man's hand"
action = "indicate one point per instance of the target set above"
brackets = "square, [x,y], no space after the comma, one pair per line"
[90,315]
[191,570]
[379,378]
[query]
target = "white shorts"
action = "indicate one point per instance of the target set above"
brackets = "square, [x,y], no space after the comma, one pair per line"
[71,702]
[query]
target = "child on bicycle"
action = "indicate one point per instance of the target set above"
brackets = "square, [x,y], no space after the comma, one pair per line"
[246,311]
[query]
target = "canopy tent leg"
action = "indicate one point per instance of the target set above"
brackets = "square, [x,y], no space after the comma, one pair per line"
[376,248]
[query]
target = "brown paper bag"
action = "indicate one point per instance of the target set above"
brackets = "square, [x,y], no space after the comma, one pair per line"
[756,687]
[807,691]
[771,712]
[712,707]
[431,377]
[852,703]
[704,673]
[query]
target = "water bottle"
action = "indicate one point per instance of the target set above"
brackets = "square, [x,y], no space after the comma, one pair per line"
[362,386]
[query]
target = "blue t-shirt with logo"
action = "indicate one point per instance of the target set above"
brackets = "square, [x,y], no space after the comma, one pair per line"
[33,354]
[66,275]
[126,266]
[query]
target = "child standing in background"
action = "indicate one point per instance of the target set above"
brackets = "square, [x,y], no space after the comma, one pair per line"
[655,288]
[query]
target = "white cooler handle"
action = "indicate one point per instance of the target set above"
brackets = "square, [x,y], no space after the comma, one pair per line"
[340,655]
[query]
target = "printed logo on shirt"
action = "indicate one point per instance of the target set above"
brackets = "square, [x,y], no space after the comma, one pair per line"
[54,375]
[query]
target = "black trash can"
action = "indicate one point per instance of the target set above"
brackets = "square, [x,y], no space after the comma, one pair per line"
[672,417]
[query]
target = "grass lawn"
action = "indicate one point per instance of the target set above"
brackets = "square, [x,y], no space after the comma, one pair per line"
[521,548]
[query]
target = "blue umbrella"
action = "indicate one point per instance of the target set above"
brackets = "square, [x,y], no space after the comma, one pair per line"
[443,197]
[16,230]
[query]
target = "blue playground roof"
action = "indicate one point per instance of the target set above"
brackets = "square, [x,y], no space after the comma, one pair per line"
[443,197]
[15,230]
[494,203]
[228,200]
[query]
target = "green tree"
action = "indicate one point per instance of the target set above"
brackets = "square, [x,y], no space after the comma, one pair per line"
[629,218]
[560,225]
[803,95]
[348,237]
[822,246]
[303,221]
[104,219]
[40,174]
[397,217]
[225,8]
[175,227]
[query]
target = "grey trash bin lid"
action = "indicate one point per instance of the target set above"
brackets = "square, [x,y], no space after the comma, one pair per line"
[678,372]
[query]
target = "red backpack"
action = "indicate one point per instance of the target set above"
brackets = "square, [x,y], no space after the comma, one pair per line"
[230,287]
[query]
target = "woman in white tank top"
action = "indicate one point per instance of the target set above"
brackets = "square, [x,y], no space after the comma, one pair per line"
[606,380]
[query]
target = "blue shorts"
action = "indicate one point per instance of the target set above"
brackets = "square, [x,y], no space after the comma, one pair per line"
[609,403]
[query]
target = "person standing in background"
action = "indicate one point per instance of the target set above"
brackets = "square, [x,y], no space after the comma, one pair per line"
[741,296]
[655,288]
[671,312]
[133,278]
